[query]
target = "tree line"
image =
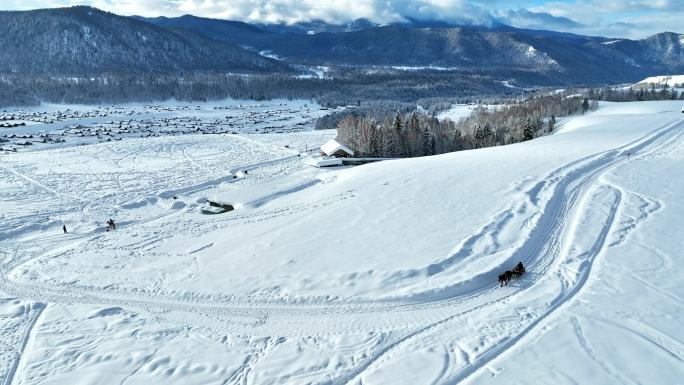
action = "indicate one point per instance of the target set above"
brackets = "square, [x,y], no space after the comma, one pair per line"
[633,94]
[390,129]
[346,87]
[411,134]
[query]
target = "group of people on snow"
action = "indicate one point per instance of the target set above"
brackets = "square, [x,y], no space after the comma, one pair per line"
[110,226]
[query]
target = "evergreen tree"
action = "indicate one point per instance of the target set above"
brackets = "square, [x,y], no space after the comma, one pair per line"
[426,145]
[398,124]
[551,124]
[483,135]
[585,105]
[400,143]
[414,124]
[538,124]
[528,130]
[414,142]
[433,144]
[477,133]
[388,142]
[374,140]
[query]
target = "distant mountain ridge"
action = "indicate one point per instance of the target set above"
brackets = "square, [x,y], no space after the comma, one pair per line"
[84,41]
[569,57]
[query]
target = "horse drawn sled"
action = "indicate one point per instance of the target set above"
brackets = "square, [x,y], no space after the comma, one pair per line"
[507,275]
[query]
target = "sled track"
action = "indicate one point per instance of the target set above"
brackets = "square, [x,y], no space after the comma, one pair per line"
[641,148]
[39,308]
[562,299]
[571,190]
[567,184]
[543,241]
[570,185]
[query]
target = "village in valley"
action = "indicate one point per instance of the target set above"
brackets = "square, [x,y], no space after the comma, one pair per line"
[51,126]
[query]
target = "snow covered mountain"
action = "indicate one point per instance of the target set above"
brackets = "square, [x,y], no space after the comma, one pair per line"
[379,274]
[568,58]
[84,41]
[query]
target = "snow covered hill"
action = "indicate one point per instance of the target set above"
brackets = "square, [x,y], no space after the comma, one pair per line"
[379,274]
[86,42]
[670,81]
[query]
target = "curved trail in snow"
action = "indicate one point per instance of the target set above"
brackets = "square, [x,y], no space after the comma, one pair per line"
[28,335]
[557,228]
[537,251]
[575,272]
[545,251]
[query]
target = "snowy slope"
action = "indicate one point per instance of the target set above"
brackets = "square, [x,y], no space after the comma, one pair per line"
[670,80]
[460,111]
[384,273]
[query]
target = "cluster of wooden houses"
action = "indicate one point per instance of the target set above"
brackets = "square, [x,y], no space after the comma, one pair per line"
[157,120]
[12,124]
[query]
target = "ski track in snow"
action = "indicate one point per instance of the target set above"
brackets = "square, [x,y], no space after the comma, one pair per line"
[36,310]
[545,250]
[596,357]
[642,148]
[560,209]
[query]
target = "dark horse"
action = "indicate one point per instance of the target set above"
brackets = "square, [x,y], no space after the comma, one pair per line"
[505,277]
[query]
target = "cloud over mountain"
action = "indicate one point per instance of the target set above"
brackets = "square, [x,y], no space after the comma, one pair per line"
[340,11]
[613,18]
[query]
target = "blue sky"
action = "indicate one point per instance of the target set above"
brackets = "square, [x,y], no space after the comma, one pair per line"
[612,18]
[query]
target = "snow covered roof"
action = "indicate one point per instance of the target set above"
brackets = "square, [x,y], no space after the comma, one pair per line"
[332,146]
[323,162]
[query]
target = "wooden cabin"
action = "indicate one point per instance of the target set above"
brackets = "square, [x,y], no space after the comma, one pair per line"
[336,149]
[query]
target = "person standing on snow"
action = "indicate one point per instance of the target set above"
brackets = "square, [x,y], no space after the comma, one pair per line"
[519,268]
[64,228]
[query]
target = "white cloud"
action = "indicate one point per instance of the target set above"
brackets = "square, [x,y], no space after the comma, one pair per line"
[612,18]
[524,18]
[338,11]
[283,11]
[634,19]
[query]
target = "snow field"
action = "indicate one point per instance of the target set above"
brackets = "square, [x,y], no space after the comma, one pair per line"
[384,273]
[623,328]
[460,111]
